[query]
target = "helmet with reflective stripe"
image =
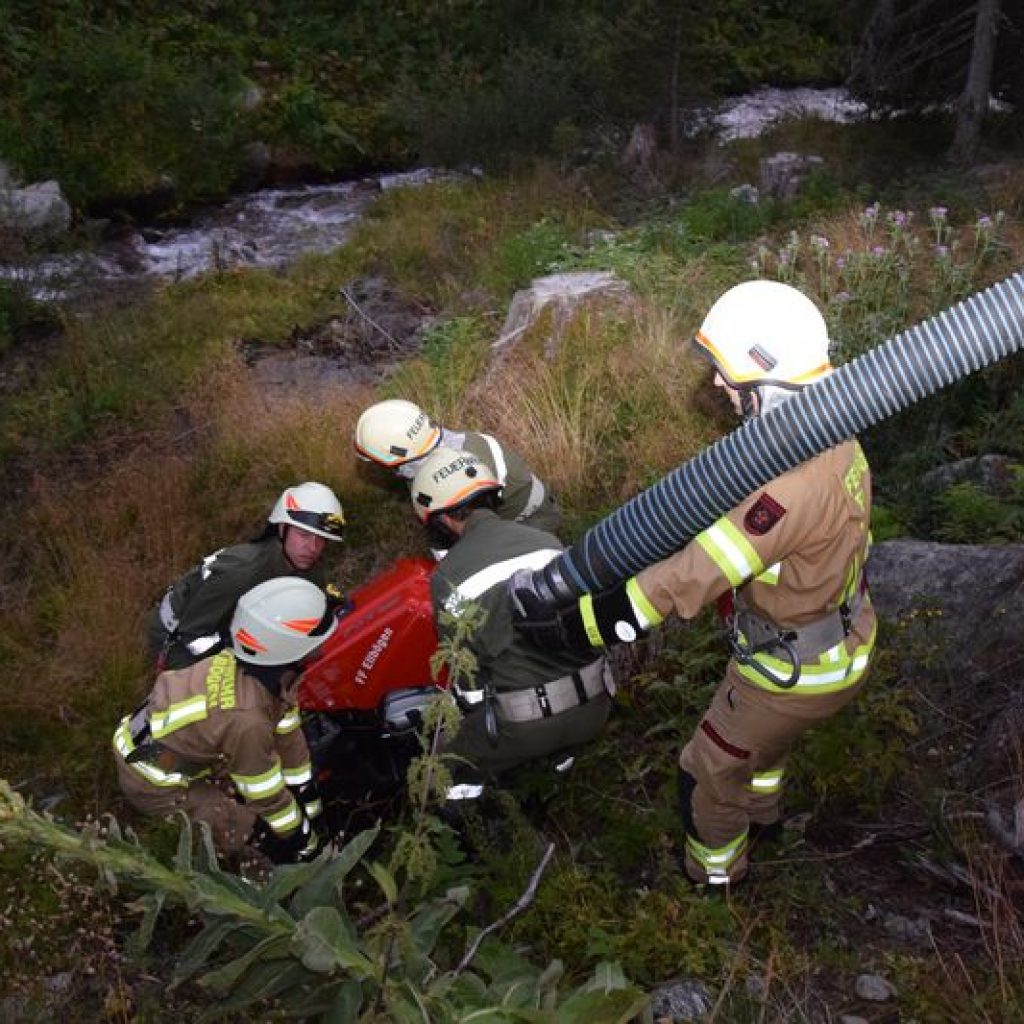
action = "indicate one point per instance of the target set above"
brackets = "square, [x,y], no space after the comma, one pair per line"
[448,479]
[311,507]
[765,333]
[280,621]
[395,432]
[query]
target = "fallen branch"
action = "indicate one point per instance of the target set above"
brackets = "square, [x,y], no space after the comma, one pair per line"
[347,296]
[521,904]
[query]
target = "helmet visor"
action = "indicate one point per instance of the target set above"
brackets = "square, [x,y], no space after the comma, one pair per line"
[329,523]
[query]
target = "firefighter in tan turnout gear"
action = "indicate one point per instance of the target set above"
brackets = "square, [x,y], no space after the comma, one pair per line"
[398,435]
[190,621]
[222,740]
[528,703]
[792,554]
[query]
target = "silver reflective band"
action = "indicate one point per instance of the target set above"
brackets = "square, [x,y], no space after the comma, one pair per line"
[537,494]
[463,791]
[498,456]
[167,617]
[472,587]
[564,766]
[202,644]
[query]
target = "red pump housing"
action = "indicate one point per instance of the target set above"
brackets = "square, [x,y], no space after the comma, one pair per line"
[384,640]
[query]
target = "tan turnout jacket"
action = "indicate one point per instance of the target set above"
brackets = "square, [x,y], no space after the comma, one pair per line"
[794,551]
[214,718]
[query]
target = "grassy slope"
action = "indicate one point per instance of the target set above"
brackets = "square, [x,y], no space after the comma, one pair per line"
[146,442]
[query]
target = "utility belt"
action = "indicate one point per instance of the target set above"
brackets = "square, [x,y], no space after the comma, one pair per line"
[750,634]
[548,699]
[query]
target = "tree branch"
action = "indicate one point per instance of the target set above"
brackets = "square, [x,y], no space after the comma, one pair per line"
[521,904]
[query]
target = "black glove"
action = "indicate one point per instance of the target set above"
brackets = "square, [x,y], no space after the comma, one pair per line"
[620,615]
[310,800]
[301,844]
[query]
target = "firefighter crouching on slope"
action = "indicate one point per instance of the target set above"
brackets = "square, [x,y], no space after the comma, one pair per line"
[793,554]
[222,741]
[397,435]
[189,622]
[529,703]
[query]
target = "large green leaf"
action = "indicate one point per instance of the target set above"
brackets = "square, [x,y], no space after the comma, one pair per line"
[618,1007]
[322,888]
[183,858]
[324,942]
[202,947]
[263,979]
[429,920]
[346,1006]
[224,978]
[151,905]
[289,877]
[386,881]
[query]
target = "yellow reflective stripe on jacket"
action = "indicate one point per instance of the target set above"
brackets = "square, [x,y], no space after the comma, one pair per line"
[289,723]
[836,669]
[299,775]
[716,860]
[771,575]
[314,808]
[734,555]
[184,712]
[766,782]
[647,615]
[257,787]
[287,819]
[150,772]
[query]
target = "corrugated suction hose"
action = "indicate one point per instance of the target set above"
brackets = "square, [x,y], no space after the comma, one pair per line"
[935,353]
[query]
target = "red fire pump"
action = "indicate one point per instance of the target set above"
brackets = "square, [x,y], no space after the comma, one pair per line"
[363,695]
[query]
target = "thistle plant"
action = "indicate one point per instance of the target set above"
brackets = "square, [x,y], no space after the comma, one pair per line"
[301,945]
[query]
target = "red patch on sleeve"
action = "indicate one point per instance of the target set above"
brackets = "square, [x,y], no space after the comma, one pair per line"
[763,515]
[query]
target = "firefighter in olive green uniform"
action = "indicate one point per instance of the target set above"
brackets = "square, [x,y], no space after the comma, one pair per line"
[191,619]
[222,741]
[529,703]
[398,434]
[802,627]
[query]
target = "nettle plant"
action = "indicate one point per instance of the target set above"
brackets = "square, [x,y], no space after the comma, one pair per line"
[374,931]
[889,270]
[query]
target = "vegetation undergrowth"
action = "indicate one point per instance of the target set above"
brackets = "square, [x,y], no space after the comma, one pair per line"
[152,440]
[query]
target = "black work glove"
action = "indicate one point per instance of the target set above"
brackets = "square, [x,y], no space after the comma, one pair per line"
[301,844]
[619,615]
[310,799]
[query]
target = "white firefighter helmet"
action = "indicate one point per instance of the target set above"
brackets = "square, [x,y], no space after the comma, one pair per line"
[394,432]
[766,335]
[311,507]
[280,621]
[448,478]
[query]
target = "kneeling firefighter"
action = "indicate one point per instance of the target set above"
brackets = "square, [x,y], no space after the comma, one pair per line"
[222,740]
[801,629]
[397,435]
[528,703]
[190,621]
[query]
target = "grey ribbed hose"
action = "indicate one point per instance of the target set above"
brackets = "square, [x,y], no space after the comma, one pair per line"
[982,329]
